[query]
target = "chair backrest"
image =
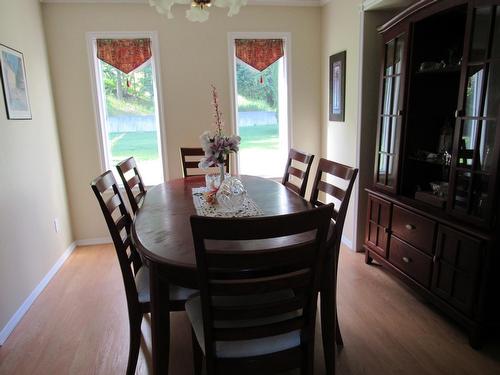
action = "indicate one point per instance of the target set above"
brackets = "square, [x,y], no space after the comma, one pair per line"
[119,223]
[135,179]
[191,156]
[244,257]
[301,175]
[340,194]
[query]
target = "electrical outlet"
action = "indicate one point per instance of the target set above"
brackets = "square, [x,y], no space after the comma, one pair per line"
[56,225]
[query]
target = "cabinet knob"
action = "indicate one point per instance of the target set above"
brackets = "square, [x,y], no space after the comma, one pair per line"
[410,226]
[406,259]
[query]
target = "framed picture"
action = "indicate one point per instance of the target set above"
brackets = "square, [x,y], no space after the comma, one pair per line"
[15,89]
[337,86]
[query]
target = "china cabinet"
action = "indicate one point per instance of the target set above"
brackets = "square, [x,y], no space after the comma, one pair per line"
[432,215]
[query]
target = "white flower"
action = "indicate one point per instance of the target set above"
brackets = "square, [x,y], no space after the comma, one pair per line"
[205,141]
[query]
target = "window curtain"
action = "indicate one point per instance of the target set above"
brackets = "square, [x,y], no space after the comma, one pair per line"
[259,53]
[125,55]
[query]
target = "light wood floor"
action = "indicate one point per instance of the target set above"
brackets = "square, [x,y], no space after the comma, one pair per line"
[78,325]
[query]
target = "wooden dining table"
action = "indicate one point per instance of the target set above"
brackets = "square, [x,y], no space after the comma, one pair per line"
[162,234]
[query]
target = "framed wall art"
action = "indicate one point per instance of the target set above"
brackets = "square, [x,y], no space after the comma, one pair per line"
[14,84]
[337,86]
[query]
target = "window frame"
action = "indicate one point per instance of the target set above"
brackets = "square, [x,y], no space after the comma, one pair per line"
[287,66]
[98,98]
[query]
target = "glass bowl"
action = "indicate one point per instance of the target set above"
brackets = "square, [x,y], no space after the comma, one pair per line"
[231,194]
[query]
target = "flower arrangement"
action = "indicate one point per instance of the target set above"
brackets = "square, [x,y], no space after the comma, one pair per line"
[218,145]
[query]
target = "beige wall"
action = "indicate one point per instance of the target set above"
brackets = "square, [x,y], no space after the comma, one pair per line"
[192,56]
[340,30]
[32,191]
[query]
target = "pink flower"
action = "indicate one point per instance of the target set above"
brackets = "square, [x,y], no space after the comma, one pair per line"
[217,147]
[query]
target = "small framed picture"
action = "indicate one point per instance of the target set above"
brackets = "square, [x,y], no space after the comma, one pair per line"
[15,89]
[337,86]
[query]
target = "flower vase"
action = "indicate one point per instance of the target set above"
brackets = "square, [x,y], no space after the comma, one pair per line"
[222,171]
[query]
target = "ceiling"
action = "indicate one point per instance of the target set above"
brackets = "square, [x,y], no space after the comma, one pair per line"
[250,2]
[386,4]
[367,4]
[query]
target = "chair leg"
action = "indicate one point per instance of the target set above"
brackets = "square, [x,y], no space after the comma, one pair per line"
[328,315]
[197,354]
[135,343]
[307,367]
[328,331]
[338,335]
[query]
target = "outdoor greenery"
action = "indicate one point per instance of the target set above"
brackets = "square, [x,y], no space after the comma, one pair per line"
[143,145]
[254,95]
[249,105]
[134,97]
[260,137]
[133,93]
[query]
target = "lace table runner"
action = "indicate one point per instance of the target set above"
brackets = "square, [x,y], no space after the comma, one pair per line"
[203,208]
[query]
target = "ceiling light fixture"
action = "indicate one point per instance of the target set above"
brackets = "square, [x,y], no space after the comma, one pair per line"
[199,8]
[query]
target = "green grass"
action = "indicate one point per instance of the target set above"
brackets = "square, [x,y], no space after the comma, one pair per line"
[116,107]
[144,146]
[260,137]
[249,105]
[140,145]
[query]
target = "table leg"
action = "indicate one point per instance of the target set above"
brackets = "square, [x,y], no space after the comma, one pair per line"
[160,321]
[328,317]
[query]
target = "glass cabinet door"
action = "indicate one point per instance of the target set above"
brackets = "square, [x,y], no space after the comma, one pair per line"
[477,136]
[389,122]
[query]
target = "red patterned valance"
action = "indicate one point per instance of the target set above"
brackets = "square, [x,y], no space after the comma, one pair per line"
[259,53]
[124,54]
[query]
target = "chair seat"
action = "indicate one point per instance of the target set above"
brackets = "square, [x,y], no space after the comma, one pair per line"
[245,348]
[177,293]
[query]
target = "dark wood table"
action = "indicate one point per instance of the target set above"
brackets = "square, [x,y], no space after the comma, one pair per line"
[162,234]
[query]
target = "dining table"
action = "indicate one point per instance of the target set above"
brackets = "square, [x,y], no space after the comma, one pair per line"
[161,232]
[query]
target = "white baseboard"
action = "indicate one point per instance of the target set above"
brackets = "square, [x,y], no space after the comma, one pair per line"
[346,241]
[18,315]
[93,241]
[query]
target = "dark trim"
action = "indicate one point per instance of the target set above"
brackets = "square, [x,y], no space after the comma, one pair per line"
[338,58]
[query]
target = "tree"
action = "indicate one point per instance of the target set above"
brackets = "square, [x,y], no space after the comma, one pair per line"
[128,92]
[251,88]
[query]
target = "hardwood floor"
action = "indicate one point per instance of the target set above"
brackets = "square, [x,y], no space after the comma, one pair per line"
[79,325]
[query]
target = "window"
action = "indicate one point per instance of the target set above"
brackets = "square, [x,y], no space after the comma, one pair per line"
[261,110]
[127,103]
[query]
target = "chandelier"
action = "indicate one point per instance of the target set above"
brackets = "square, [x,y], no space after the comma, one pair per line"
[198,12]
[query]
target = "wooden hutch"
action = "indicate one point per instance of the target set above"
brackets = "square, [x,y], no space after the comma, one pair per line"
[433,207]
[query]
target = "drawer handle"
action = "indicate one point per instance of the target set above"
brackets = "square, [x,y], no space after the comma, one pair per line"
[406,259]
[410,226]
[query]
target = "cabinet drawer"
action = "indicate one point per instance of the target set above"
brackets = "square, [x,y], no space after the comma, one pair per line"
[414,229]
[411,261]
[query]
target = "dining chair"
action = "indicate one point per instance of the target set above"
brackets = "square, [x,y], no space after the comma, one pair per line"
[129,165]
[135,276]
[190,157]
[259,280]
[336,181]
[296,178]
